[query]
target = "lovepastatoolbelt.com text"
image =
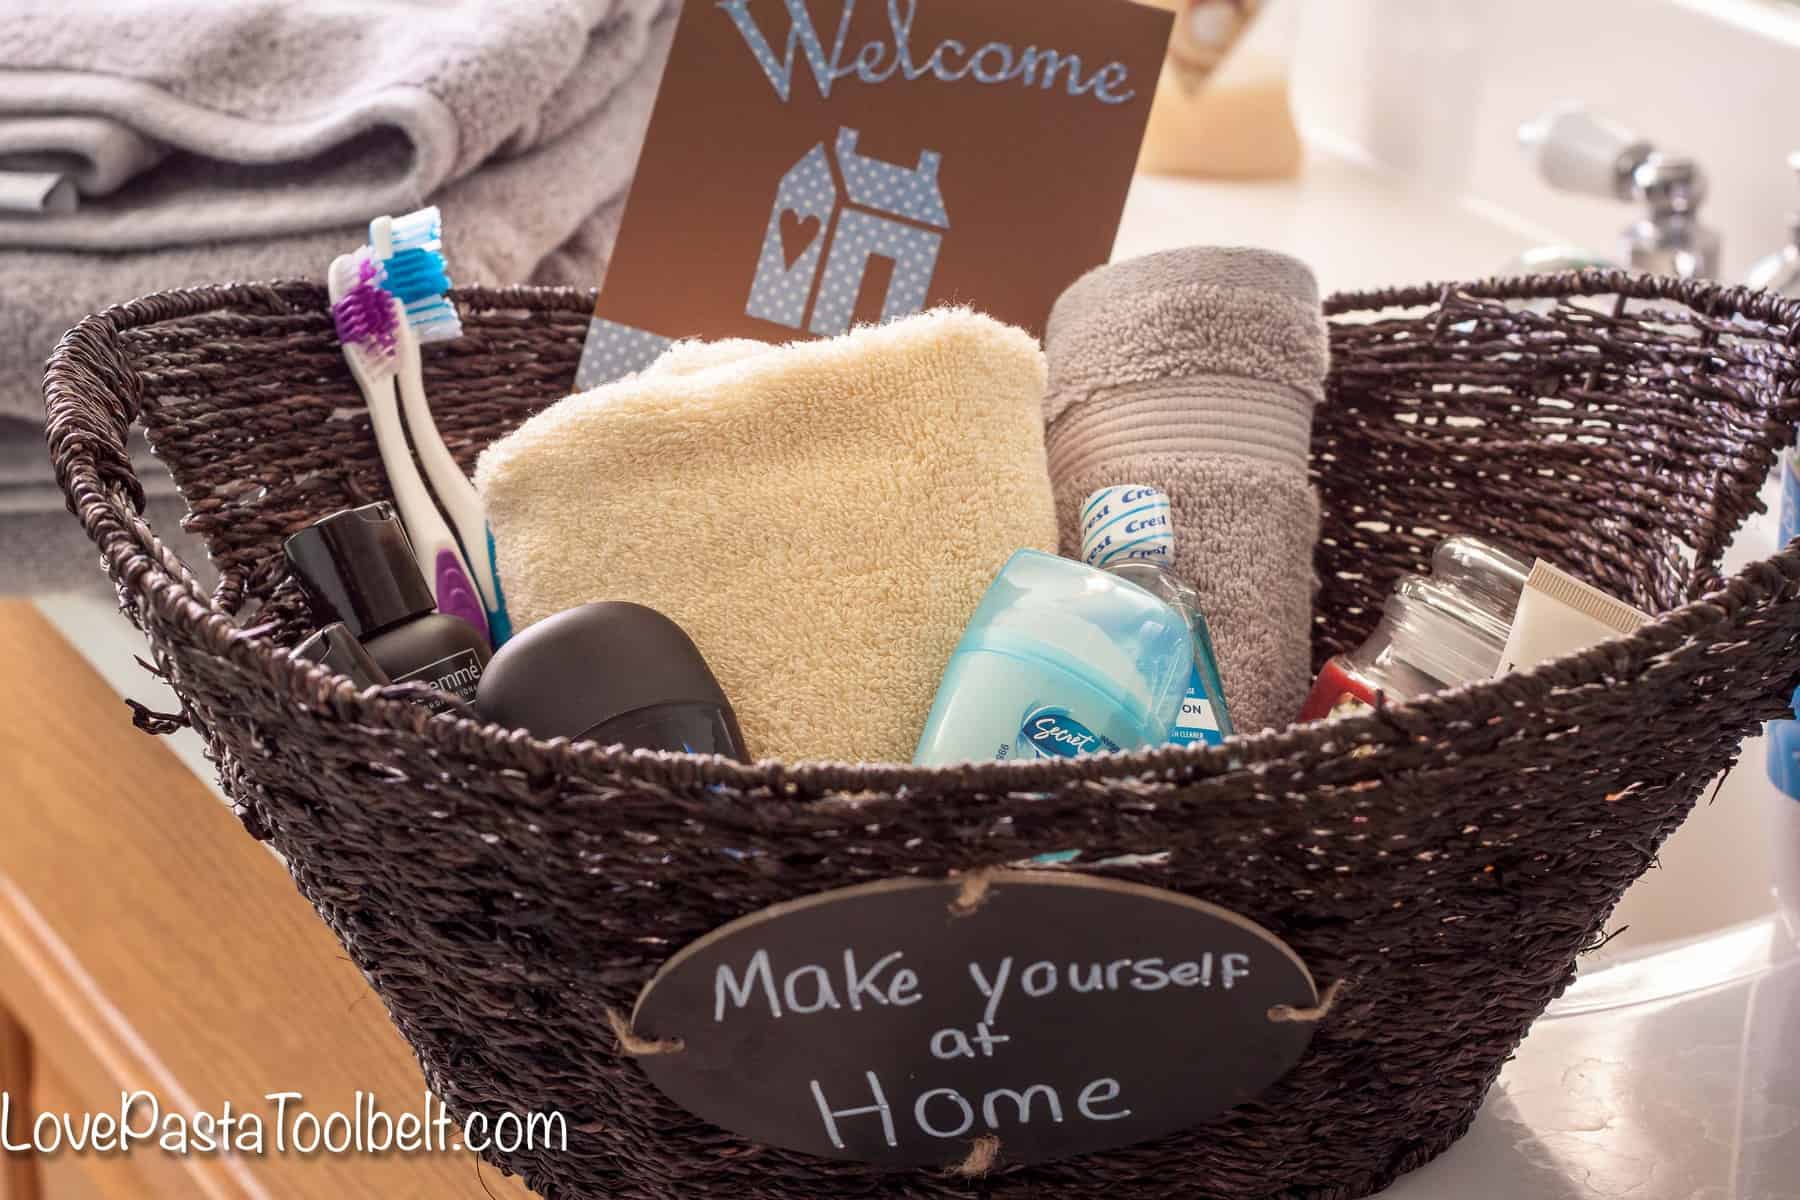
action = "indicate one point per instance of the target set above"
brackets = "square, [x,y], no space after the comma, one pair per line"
[276,1123]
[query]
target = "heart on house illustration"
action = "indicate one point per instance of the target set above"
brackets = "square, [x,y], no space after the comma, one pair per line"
[797,235]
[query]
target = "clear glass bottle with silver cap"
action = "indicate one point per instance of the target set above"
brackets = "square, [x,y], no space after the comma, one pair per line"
[1436,632]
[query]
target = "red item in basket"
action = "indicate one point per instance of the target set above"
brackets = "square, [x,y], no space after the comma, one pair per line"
[1338,689]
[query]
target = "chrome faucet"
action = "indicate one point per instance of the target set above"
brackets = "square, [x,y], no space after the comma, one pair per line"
[1579,152]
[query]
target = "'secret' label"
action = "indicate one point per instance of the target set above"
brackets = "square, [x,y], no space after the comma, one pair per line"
[1050,732]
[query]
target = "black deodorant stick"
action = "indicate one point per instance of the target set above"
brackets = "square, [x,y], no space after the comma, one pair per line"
[615,673]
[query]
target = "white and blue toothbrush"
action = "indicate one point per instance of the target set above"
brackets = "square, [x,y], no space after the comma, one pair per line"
[408,251]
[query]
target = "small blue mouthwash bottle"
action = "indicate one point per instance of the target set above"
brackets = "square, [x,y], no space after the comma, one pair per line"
[1059,659]
[1129,531]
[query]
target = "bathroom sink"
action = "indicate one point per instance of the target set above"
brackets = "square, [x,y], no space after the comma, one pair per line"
[1670,1070]
[1671,1075]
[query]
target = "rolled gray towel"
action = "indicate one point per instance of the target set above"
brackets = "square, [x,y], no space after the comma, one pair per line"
[1197,371]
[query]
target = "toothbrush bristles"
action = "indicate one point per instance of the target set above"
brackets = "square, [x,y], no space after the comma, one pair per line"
[365,318]
[417,274]
[434,320]
[413,274]
[419,229]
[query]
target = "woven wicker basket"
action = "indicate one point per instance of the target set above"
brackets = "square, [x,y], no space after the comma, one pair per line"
[1446,861]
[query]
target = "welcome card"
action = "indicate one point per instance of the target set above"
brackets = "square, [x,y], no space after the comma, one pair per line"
[812,164]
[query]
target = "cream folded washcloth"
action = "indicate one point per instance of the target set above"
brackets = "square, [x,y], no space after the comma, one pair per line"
[821,517]
[1197,371]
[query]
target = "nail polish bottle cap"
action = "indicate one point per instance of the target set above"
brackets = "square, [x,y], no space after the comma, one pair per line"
[356,566]
[1130,523]
[337,648]
[575,671]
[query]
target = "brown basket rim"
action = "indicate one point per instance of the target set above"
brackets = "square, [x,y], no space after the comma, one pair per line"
[102,490]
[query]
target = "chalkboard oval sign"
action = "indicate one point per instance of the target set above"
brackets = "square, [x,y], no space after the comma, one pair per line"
[901,1022]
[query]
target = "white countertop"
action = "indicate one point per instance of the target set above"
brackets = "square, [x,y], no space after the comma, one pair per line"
[1672,1070]
[1358,226]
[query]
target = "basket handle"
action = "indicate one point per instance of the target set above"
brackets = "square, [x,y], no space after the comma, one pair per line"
[91,398]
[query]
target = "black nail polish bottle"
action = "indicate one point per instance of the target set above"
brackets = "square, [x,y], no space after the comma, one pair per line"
[356,566]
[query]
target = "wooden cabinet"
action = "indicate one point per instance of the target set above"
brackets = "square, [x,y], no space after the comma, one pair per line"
[147,943]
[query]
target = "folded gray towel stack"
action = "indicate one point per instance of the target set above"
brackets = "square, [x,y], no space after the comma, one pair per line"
[267,117]
[153,144]
[1197,371]
[254,140]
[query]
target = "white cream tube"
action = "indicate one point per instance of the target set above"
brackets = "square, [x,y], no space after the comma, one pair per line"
[1557,615]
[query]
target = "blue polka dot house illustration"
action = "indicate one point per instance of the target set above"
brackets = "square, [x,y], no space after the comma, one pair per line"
[818,235]
[886,211]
